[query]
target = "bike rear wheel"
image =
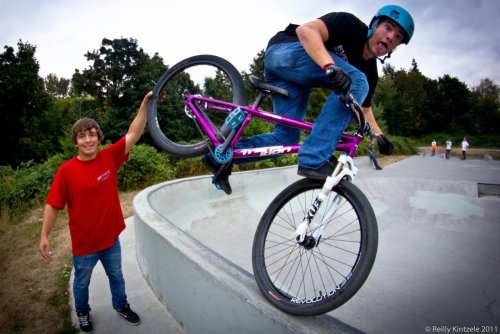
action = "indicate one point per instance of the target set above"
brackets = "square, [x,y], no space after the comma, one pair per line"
[172,126]
[323,275]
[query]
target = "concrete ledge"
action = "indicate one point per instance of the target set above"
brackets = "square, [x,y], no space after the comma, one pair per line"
[205,292]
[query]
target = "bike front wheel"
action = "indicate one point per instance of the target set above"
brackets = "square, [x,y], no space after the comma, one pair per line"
[173,126]
[327,270]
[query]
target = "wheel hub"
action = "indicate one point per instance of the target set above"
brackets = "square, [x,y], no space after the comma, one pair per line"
[308,243]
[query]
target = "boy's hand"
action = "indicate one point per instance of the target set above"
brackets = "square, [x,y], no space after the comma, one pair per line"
[45,250]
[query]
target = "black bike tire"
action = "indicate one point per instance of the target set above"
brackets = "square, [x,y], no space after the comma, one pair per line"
[199,148]
[364,264]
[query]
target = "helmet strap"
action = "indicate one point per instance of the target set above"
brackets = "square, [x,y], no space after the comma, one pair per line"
[382,60]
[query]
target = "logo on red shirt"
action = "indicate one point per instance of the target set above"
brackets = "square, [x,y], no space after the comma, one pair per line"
[103,176]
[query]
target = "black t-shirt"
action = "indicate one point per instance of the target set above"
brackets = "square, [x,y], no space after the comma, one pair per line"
[346,38]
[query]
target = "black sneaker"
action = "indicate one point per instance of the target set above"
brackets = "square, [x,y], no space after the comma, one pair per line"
[129,315]
[221,177]
[85,323]
[321,172]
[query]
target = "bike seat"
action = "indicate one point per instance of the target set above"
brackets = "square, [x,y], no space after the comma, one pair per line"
[267,88]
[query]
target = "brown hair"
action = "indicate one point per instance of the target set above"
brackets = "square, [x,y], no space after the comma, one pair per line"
[85,124]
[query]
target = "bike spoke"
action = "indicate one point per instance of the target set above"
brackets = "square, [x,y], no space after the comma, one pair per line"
[310,274]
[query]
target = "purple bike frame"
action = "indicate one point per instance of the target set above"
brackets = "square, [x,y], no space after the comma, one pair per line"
[348,143]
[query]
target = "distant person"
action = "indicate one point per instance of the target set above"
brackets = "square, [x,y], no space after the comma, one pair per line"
[448,149]
[433,148]
[87,185]
[371,154]
[465,145]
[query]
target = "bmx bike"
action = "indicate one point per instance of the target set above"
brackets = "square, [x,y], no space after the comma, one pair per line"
[316,243]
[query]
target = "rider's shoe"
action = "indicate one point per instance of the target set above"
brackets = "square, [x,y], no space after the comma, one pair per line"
[319,173]
[221,178]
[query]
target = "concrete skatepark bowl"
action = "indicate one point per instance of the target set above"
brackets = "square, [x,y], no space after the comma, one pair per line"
[438,261]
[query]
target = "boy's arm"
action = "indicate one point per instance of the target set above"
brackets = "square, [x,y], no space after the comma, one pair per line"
[137,126]
[49,218]
[370,118]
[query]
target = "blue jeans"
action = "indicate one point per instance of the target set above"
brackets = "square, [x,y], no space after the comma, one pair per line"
[111,259]
[288,66]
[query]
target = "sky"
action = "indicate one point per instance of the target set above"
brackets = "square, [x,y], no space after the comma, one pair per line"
[455,37]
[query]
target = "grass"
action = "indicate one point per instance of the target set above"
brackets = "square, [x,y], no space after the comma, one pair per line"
[35,293]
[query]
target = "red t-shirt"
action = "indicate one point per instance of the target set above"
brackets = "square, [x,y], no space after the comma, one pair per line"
[90,190]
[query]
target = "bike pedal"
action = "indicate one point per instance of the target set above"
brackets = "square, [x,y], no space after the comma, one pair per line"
[235,118]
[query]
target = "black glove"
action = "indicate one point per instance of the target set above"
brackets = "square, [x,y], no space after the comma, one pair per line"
[340,79]
[384,145]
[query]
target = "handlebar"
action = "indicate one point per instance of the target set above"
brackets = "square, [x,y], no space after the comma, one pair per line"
[359,117]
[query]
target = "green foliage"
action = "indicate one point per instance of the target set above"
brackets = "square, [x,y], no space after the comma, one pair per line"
[23,188]
[189,167]
[145,167]
[120,75]
[27,124]
[57,87]
[257,126]
[28,185]
[287,160]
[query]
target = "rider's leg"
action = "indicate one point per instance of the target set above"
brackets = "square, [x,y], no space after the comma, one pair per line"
[332,121]
[288,65]
[279,60]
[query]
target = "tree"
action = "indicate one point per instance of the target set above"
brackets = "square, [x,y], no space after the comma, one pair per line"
[402,97]
[55,86]
[454,111]
[119,76]
[485,107]
[27,129]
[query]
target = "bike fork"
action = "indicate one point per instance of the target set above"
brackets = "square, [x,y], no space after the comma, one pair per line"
[344,168]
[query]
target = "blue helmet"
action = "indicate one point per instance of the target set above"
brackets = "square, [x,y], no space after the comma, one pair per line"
[397,14]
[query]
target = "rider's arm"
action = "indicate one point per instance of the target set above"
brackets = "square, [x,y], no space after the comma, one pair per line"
[370,118]
[313,35]
[49,218]
[137,126]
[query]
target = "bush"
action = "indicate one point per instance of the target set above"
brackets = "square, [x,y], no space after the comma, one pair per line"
[28,185]
[24,188]
[145,167]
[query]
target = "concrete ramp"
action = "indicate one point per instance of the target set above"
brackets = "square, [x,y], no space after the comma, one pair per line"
[205,290]
[438,261]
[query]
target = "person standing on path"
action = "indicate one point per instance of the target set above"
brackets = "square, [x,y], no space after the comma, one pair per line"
[448,149]
[465,145]
[88,186]
[373,158]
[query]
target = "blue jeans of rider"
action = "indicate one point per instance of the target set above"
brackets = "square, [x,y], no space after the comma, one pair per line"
[111,259]
[288,66]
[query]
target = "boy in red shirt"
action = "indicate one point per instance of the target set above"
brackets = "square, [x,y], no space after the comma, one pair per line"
[87,184]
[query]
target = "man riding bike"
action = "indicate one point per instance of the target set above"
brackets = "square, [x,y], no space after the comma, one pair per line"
[336,51]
